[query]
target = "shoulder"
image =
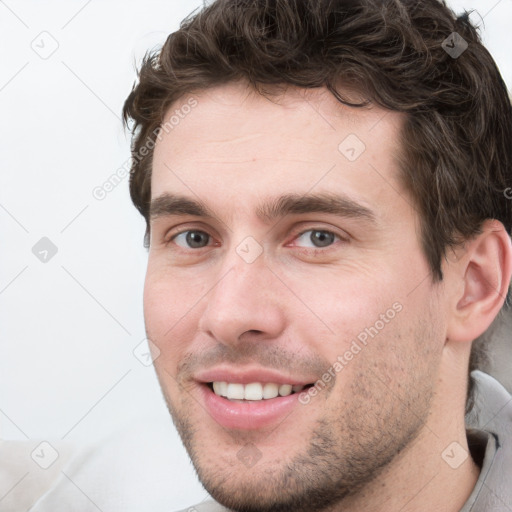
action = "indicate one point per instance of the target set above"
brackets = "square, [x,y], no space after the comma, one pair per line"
[140,466]
[493,406]
[28,469]
[206,506]
[492,415]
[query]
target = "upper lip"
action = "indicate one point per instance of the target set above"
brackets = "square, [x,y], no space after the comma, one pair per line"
[248,375]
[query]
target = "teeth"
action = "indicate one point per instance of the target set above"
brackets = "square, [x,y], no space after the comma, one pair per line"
[270,390]
[220,388]
[254,390]
[235,391]
[285,389]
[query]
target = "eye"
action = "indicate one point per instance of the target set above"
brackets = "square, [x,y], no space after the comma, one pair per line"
[191,239]
[318,238]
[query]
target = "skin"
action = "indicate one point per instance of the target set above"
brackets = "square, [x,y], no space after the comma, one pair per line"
[373,439]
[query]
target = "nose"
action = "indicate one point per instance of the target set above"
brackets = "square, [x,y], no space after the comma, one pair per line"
[247,298]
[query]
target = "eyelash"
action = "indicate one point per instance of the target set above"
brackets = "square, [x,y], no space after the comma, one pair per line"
[296,236]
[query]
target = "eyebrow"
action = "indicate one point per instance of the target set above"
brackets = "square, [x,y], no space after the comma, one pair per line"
[268,212]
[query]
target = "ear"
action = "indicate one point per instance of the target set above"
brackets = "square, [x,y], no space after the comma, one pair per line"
[485,265]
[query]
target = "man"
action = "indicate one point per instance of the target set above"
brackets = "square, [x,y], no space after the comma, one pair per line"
[324,184]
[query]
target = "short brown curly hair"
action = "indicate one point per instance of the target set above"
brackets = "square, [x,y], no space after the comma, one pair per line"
[457,137]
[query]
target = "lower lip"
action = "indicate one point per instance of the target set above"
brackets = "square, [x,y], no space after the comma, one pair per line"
[249,415]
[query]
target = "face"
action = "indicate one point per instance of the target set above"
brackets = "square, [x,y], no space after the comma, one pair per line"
[299,330]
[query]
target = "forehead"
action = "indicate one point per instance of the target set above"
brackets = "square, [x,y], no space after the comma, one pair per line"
[235,140]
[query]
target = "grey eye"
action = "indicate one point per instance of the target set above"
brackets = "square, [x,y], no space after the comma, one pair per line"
[192,239]
[317,238]
[322,238]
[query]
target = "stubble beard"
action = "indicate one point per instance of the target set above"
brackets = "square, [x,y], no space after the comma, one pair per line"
[342,456]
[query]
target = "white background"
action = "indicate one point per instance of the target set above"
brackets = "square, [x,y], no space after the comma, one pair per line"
[69,326]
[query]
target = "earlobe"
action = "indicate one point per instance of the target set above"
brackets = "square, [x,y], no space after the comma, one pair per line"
[486,267]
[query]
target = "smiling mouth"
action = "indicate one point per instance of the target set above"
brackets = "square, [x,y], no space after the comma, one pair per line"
[255,391]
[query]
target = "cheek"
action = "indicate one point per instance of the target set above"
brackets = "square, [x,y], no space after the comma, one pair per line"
[366,310]
[348,300]
[171,314]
